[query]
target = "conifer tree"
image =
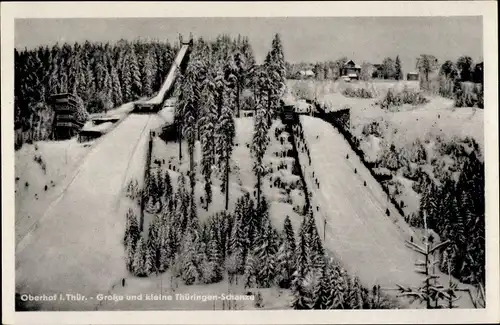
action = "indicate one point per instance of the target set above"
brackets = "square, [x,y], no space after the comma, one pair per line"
[237,245]
[266,253]
[189,272]
[136,84]
[148,72]
[168,192]
[289,234]
[208,123]
[301,300]
[225,131]
[259,144]
[117,90]
[138,264]
[399,73]
[132,232]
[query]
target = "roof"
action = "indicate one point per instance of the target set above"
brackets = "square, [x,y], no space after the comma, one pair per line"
[351,63]
[302,105]
[288,101]
[97,128]
[413,72]
[307,72]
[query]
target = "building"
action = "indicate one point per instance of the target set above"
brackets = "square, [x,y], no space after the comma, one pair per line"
[306,74]
[70,115]
[478,74]
[412,76]
[350,70]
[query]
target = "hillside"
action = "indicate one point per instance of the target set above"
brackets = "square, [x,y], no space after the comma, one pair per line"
[80,232]
[366,240]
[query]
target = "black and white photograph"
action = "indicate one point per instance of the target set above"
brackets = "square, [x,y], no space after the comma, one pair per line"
[258,163]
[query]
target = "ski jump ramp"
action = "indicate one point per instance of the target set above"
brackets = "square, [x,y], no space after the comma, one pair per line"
[76,247]
[172,73]
[155,103]
[351,214]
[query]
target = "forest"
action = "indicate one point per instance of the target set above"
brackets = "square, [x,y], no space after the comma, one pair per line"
[102,75]
[241,244]
[221,80]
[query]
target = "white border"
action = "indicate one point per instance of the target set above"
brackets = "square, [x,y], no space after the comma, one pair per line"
[486,9]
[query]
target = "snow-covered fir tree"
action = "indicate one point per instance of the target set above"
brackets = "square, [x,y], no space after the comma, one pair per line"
[226,132]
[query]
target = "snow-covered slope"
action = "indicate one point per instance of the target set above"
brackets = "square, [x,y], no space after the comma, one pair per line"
[369,243]
[76,247]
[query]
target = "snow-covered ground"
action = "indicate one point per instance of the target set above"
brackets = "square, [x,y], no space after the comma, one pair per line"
[439,118]
[368,243]
[242,179]
[39,183]
[76,247]
[61,160]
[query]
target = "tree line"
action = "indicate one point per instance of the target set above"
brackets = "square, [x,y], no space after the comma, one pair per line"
[103,75]
[455,210]
[210,96]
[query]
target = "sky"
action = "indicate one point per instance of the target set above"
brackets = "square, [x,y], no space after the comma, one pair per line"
[305,39]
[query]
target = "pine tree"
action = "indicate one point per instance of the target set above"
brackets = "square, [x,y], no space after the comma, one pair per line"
[251,270]
[315,244]
[136,83]
[259,144]
[303,263]
[182,203]
[138,264]
[126,80]
[215,258]
[237,245]
[289,234]
[168,192]
[149,262]
[153,244]
[117,90]
[207,127]
[132,232]
[285,261]
[187,111]
[301,300]
[266,253]
[399,73]
[129,253]
[322,291]
[188,269]
[225,131]
[148,72]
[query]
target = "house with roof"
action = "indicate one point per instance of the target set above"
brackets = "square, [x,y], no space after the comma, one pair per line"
[350,70]
[412,76]
[306,73]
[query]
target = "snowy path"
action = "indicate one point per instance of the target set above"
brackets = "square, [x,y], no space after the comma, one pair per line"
[77,246]
[369,243]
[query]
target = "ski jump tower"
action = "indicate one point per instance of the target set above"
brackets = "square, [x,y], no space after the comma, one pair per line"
[178,66]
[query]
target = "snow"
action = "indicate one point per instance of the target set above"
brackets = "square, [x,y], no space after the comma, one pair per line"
[119,111]
[367,242]
[371,148]
[77,245]
[170,77]
[103,127]
[242,179]
[60,158]
[165,284]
